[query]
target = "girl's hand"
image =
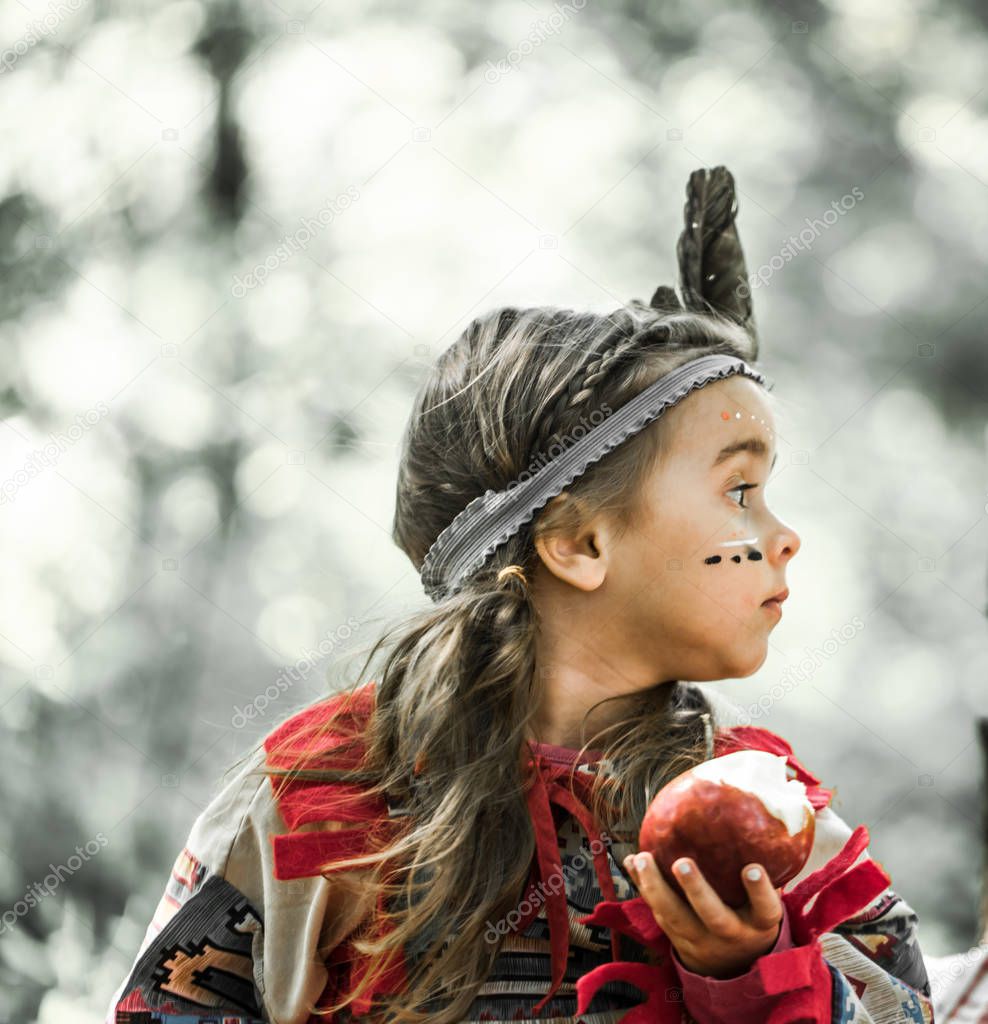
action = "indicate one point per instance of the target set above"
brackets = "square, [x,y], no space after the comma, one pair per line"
[711,938]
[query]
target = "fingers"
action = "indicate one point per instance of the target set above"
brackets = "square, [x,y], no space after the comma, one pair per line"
[710,908]
[673,914]
[766,905]
[703,908]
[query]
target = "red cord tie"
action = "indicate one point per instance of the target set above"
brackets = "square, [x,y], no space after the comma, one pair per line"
[547,789]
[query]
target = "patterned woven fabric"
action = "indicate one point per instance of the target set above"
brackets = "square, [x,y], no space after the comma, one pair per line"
[249,930]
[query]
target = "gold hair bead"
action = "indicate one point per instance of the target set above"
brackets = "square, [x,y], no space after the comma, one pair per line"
[512,570]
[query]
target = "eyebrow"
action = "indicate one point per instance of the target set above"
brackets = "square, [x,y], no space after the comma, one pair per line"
[755,445]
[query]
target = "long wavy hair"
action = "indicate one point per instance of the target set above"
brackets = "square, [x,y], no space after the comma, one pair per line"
[457,692]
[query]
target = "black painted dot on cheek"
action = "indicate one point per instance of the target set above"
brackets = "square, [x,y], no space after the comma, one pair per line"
[712,560]
[754,556]
[735,558]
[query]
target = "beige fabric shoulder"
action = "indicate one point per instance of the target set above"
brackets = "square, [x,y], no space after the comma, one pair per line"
[284,929]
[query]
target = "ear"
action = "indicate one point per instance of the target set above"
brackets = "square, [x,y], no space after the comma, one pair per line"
[580,559]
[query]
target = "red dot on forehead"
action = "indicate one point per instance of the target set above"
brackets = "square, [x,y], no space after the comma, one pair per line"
[725,415]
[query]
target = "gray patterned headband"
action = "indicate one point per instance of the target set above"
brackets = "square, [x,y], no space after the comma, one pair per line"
[495,516]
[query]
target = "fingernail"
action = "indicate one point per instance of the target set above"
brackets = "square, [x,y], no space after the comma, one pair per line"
[684,868]
[641,861]
[753,874]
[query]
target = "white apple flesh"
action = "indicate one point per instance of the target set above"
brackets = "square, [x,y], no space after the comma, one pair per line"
[727,813]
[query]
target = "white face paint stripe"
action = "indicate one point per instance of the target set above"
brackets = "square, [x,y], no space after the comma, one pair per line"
[736,543]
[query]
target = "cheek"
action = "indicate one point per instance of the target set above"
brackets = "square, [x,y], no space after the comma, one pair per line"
[700,554]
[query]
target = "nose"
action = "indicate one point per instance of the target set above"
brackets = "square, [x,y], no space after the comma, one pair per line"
[785,543]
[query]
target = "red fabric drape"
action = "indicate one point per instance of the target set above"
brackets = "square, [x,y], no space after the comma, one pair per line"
[300,853]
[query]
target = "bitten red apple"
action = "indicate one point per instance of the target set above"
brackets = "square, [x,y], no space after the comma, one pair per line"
[726,813]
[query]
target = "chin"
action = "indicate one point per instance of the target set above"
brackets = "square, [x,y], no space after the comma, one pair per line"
[749,665]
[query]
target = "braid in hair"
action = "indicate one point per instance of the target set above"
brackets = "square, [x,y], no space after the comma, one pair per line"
[579,388]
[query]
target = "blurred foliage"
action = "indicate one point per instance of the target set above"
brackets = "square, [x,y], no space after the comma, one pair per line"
[198,464]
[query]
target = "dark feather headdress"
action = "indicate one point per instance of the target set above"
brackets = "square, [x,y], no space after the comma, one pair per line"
[712,271]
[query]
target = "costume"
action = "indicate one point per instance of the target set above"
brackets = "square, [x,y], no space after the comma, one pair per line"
[249,931]
[255,924]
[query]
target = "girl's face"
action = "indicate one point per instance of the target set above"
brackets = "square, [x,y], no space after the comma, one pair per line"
[687,583]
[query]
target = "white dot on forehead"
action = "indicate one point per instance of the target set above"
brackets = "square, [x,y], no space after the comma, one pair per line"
[725,415]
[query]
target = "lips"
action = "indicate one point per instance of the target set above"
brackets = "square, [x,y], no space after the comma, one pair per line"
[780,596]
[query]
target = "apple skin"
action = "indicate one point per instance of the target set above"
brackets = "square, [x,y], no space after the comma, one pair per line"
[722,829]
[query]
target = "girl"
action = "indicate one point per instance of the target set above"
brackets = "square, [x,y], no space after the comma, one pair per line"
[584,497]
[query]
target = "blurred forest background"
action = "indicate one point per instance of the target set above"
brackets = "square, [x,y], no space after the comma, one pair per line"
[233,238]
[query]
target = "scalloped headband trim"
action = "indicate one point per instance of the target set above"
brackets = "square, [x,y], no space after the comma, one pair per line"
[495,516]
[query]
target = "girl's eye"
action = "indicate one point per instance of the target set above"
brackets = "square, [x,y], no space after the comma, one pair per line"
[742,488]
